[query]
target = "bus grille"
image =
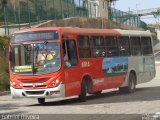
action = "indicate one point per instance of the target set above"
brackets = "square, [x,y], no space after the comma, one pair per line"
[37,86]
[34,92]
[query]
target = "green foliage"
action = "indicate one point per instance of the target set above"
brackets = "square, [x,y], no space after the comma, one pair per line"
[4,72]
[4,40]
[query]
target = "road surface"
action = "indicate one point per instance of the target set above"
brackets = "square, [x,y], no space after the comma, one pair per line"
[110,105]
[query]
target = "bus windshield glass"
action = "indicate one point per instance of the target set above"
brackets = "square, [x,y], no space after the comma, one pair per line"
[35,36]
[39,58]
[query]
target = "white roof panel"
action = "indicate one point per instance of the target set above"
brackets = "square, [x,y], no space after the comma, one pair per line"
[133,33]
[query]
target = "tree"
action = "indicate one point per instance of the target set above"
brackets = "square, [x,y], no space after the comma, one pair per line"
[157,17]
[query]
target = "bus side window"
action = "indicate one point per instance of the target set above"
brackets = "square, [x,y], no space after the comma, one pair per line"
[111,46]
[146,45]
[135,46]
[98,46]
[84,47]
[124,49]
[70,53]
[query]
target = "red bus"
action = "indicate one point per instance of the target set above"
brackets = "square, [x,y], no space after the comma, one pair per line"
[66,61]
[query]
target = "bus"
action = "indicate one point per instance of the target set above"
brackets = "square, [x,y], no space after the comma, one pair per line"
[60,62]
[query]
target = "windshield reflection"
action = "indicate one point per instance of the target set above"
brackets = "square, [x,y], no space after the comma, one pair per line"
[40,58]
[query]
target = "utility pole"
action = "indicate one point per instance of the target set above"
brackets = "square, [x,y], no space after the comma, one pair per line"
[19,14]
[5,16]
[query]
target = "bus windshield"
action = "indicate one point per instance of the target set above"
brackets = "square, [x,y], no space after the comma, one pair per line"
[39,58]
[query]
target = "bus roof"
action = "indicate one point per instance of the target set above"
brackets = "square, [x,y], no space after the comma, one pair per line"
[89,31]
[75,30]
[133,33]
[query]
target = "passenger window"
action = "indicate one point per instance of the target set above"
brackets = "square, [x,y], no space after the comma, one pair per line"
[135,46]
[111,46]
[70,54]
[98,46]
[124,49]
[84,47]
[146,45]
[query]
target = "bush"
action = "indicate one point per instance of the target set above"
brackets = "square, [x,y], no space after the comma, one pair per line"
[4,40]
[4,72]
[4,82]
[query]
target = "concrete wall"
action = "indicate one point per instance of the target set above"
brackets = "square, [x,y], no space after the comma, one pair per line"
[87,23]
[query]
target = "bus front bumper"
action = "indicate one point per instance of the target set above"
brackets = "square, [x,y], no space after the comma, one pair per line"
[56,92]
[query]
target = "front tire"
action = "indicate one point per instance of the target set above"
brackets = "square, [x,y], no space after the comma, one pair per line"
[131,85]
[83,95]
[41,101]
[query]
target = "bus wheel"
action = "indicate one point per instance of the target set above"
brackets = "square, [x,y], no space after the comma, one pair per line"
[41,101]
[83,95]
[131,85]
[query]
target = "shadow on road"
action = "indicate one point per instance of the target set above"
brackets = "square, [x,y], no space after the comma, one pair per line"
[141,94]
[10,107]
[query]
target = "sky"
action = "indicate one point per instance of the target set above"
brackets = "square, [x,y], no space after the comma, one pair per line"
[134,5]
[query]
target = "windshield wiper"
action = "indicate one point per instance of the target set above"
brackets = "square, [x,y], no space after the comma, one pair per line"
[24,47]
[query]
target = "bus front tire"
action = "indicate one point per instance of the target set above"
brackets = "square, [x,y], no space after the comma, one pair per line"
[131,85]
[41,101]
[83,95]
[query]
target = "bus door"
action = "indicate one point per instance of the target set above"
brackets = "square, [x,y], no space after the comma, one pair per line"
[72,75]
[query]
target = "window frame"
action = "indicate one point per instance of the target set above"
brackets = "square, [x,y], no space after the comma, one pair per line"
[146,46]
[75,49]
[100,48]
[127,46]
[87,48]
[112,45]
[135,47]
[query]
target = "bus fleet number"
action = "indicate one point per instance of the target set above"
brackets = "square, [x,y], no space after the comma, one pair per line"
[86,64]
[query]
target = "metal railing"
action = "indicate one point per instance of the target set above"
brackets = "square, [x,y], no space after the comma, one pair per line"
[18,14]
[126,18]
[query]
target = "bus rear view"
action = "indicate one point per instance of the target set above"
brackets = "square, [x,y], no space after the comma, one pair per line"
[35,64]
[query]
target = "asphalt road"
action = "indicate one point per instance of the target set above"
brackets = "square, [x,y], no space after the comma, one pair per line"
[110,105]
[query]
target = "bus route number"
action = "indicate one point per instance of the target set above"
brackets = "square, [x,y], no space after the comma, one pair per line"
[85,64]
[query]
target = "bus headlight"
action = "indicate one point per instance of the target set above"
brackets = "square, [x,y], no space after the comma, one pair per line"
[56,83]
[15,85]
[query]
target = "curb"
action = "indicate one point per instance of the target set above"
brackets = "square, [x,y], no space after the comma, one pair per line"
[5,93]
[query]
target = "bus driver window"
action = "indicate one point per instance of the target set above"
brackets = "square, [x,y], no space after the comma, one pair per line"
[70,54]
[65,55]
